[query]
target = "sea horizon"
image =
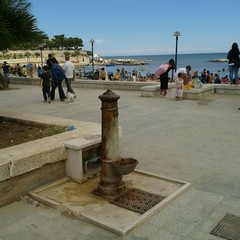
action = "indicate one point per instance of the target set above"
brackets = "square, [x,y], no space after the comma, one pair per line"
[167,54]
[198,62]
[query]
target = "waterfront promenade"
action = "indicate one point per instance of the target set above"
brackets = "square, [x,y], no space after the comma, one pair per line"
[196,141]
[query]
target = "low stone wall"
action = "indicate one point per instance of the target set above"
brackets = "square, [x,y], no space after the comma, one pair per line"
[24,161]
[227,89]
[148,89]
[194,94]
[93,84]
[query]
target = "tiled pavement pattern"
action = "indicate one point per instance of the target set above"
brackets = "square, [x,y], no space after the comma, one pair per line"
[188,140]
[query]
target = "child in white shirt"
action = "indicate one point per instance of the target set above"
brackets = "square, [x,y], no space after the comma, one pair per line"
[179,87]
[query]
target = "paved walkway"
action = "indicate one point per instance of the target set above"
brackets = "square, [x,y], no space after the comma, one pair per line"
[193,141]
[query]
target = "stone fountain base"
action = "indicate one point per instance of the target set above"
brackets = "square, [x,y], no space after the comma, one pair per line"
[78,199]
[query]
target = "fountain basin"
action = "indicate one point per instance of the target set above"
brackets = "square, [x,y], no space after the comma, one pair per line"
[125,166]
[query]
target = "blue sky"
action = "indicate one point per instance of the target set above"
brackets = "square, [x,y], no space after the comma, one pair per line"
[143,27]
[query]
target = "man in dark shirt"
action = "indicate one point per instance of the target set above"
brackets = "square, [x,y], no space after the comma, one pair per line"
[6,68]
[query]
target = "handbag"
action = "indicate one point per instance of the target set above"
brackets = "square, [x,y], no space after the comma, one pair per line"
[162,69]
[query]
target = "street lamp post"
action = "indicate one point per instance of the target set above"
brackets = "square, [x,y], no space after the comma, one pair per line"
[92,42]
[176,34]
[41,49]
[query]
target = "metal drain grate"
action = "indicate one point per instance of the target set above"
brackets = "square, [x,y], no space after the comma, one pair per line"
[137,200]
[228,228]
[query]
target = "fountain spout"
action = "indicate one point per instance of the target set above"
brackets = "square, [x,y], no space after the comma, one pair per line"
[111,184]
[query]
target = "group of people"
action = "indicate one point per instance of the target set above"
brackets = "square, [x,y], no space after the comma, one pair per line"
[103,74]
[21,71]
[52,77]
[185,80]
[181,77]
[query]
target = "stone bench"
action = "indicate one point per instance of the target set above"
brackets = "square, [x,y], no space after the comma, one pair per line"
[193,93]
[74,162]
[153,91]
[227,89]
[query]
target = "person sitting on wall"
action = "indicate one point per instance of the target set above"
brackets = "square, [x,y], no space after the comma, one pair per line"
[104,74]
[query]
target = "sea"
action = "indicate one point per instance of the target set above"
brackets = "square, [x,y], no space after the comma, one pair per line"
[198,62]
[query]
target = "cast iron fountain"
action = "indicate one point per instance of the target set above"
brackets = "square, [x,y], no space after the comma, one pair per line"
[113,166]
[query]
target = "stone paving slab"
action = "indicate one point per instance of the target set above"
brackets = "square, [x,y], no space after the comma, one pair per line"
[175,221]
[79,200]
[188,140]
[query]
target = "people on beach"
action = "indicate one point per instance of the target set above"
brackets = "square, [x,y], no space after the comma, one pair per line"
[134,77]
[162,72]
[179,87]
[24,71]
[96,75]
[69,71]
[18,68]
[104,74]
[217,79]
[123,74]
[116,76]
[233,60]
[196,83]
[46,84]
[225,80]
[39,71]
[204,76]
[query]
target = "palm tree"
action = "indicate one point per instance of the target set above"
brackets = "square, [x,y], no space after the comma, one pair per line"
[17,27]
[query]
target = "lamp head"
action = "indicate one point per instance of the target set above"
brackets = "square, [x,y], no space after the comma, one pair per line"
[176,34]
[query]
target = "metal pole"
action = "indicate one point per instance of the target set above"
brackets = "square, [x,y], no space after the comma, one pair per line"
[92,59]
[176,34]
[176,52]
[41,56]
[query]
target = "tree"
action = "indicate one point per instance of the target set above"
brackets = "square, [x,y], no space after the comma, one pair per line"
[73,43]
[17,27]
[28,55]
[61,42]
[58,41]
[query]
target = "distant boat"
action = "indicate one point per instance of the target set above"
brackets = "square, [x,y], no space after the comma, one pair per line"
[110,64]
[219,60]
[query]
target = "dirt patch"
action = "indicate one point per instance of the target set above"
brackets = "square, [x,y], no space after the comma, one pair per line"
[13,133]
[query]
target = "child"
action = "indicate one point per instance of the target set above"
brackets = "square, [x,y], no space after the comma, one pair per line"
[39,71]
[45,84]
[179,87]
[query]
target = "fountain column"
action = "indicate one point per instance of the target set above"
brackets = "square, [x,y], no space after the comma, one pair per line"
[111,184]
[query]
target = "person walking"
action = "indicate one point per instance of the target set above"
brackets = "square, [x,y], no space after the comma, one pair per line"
[6,71]
[58,76]
[233,59]
[45,84]
[163,71]
[70,73]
